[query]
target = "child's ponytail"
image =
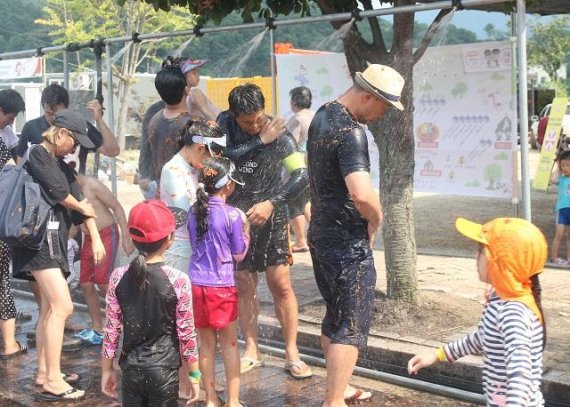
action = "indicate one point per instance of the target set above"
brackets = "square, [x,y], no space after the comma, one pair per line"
[138,271]
[537,294]
[201,211]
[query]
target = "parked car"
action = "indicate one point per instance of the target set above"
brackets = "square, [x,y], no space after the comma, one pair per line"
[540,122]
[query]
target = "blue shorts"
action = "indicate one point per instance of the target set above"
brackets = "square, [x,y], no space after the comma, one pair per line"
[563,216]
[346,278]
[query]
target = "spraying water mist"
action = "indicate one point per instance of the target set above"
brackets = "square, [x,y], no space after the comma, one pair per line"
[233,65]
[334,42]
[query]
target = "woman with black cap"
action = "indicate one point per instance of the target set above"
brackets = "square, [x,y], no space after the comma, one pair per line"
[48,265]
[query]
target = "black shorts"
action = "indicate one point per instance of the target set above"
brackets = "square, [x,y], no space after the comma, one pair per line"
[269,244]
[297,206]
[346,278]
[150,387]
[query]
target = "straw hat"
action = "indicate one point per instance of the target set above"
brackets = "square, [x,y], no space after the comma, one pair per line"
[383,82]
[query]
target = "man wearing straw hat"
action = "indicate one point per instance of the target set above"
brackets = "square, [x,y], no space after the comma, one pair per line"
[345,217]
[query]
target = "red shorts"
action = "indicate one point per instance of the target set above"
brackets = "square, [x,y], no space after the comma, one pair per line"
[214,307]
[99,274]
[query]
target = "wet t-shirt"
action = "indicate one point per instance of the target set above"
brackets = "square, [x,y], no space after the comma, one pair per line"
[157,322]
[336,146]
[161,145]
[260,167]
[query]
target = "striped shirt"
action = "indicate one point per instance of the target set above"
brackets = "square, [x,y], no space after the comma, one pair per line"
[510,337]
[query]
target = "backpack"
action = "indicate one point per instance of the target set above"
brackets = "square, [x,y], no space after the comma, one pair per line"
[24,213]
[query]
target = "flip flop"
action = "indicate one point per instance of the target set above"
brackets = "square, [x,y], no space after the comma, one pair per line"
[72,394]
[300,249]
[300,365]
[359,396]
[69,378]
[23,349]
[246,364]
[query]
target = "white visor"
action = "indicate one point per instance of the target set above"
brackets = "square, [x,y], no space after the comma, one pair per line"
[226,178]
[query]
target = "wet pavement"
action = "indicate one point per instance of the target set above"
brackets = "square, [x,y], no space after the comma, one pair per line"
[267,386]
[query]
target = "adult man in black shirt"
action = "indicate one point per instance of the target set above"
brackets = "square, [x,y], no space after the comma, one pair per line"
[55,98]
[345,215]
[256,143]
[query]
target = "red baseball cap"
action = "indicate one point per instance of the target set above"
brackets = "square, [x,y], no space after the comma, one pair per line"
[150,221]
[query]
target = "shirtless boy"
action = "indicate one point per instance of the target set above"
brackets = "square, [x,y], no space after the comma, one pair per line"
[110,217]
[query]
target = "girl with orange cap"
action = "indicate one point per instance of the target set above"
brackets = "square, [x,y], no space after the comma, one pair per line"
[511,334]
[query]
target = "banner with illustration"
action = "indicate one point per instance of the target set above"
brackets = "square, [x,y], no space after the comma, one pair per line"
[21,68]
[464,117]
[327,76]
[465,123]
[550,144]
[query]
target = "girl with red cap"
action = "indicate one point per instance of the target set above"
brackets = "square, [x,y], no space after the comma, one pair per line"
[512,334]
[152,303]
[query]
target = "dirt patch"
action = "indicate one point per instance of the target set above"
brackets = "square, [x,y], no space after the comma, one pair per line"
[436,316]
[434,219]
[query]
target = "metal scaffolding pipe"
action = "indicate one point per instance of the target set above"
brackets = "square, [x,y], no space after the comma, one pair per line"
[65,70]
[111,113]
[523,110]
[98,51]
[301,20]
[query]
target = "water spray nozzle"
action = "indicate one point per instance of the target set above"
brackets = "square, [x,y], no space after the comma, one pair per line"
[457,4]
[198,30]
[270,23]
[355,15]
[135,38]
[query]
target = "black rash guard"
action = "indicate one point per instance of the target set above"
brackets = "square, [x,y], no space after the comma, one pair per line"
[260,166]
[337,146]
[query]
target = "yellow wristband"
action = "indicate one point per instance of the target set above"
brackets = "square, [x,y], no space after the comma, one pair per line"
[440,354]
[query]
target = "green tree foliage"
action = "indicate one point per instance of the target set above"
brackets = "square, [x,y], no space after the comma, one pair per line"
[549,45]
[17,14]
[79,21]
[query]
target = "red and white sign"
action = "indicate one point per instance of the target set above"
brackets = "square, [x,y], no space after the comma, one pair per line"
[21,68]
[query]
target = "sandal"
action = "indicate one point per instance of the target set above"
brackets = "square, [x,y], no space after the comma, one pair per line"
[246,364]
[22,349]
[71,394]
[69,378]
[359,396]
[300,366]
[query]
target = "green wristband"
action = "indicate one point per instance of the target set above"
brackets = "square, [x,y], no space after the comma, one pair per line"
[195,375]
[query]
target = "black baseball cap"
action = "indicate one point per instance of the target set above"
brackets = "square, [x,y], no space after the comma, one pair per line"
[74,122]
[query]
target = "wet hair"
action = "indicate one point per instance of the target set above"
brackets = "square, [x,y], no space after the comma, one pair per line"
[198,127]
[215,168]
[55,94]
[11,102]
[301,97]
[537,294]
[138,271]
[246,99]
[170,81]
